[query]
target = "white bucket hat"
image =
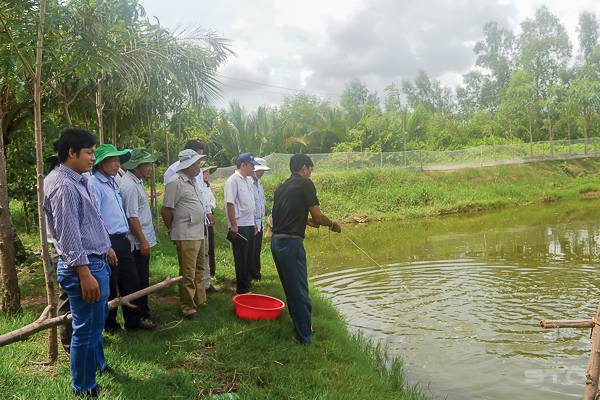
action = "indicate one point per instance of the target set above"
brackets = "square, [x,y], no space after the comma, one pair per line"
[262,165]
[187,157]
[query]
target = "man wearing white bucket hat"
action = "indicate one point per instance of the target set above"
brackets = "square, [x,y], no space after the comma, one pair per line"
[183,213]
[259,212]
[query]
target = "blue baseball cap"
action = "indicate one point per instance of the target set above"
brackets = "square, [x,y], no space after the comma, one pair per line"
[246,158]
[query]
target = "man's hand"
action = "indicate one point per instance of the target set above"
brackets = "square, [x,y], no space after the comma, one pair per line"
[255,229]
[90,291]
[112,258]
[211,219]
[336,227]
[144,248]
[234,231]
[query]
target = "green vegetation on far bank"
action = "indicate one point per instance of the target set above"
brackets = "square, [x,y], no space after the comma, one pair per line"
[395,193]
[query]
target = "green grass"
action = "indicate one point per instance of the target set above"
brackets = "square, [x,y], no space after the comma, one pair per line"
[217,354]
[260,359]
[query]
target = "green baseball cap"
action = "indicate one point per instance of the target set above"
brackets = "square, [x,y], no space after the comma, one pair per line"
[206,167]
[139,155]
[108,150]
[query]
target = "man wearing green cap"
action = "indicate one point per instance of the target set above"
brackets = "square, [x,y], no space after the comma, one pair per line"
[123,278]
[142,234]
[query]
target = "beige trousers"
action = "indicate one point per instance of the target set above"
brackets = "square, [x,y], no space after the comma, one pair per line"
[192,292]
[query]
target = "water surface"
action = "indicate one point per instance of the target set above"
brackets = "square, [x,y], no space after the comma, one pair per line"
[460,298]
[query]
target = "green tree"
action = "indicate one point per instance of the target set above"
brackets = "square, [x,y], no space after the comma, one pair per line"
[544,49]
[585,97]
[588,33]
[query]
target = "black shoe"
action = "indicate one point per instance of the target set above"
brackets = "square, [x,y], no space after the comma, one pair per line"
[212,290]
[113,331]
[193,315]
[92,393]
[109,370]
[152,319]
[143,326]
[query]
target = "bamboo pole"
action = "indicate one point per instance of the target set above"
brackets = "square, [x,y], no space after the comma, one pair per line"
[566,323]
[593,371]
[43,322]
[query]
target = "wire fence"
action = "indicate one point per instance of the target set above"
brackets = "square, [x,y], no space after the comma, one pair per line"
[425,160]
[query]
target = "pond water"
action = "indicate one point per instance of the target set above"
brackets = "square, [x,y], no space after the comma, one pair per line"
[460,298]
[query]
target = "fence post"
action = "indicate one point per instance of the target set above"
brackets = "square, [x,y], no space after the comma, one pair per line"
[274,165]
[481,156]
[543,150]
[595,152]
[347,160]
[421,159]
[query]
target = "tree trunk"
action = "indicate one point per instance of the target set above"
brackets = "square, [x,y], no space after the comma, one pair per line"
[153,196]
[586,127]
[569,133]
[99,106]
[25,202]
[162,94]
[179,117]
[37,108]
[11,293]
[133,137]
[114,129]
[65,105]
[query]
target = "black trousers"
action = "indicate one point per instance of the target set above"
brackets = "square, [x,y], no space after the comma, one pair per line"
[123,280]
[211,249]
[255,273]
[142,266]
[243,256]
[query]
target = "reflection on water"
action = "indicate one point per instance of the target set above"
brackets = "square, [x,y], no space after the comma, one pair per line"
[460,298]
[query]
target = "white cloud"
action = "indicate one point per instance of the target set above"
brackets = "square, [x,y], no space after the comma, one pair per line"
[239,23]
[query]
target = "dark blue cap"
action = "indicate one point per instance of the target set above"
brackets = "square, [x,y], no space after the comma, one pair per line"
[247,158]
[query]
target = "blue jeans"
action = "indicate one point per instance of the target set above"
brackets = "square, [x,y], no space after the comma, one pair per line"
[87,353]
[290,259]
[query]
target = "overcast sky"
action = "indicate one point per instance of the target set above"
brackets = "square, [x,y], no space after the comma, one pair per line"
[319,45]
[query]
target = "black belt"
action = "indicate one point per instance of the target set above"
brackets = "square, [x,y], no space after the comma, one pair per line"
[286,236]
[100,256]
[118,236]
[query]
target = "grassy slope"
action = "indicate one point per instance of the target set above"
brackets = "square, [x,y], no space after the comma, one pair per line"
[259,360]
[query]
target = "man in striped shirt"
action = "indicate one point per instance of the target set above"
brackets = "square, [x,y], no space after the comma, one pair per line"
[82,242]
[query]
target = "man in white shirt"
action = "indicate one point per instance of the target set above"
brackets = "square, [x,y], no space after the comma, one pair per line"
[259,212]
[239,202]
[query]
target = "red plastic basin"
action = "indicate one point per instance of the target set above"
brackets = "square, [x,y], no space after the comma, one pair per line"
[257,306]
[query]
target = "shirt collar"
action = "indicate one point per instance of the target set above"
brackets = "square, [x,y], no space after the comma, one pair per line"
[184,176]
[77,177]
[101,177]
[135,178]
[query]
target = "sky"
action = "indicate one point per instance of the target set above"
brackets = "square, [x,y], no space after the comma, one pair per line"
[318,46]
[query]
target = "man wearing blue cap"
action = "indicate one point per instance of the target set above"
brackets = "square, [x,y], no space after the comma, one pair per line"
[239,200]
[123,279]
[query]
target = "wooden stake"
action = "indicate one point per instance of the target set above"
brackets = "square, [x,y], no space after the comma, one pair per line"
[565,323]
[593,371]
[44,322]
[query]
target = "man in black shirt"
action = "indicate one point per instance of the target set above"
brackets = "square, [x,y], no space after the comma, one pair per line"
[292,202]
